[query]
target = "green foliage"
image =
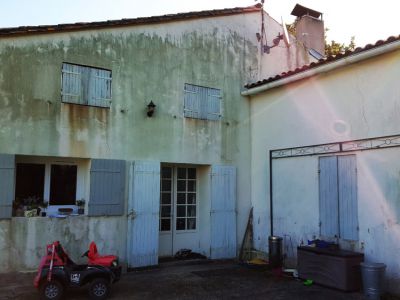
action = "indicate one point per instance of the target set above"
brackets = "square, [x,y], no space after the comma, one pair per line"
[291,28]
[334,48]
[80,202]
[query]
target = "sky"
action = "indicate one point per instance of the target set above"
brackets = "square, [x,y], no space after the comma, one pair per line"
[368,21]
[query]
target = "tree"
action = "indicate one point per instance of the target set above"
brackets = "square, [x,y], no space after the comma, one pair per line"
[332,48]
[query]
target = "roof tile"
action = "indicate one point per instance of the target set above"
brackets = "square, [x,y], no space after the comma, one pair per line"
[323,61]
[126,22]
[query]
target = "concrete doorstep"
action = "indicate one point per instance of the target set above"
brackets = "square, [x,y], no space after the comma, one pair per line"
[185,280]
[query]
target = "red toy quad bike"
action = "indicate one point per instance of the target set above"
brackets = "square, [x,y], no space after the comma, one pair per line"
[57,272]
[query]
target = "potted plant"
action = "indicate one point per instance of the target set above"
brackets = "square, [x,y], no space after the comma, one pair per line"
[43,207]
[32,206]
[81,206]
[18,208]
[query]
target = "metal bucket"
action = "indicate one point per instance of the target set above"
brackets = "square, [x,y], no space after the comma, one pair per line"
[275,251]
[372,278]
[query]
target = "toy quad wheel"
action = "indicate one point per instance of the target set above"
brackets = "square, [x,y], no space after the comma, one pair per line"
[52,290]
[99,289]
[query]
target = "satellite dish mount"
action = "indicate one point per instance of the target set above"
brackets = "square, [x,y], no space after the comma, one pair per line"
[265,48]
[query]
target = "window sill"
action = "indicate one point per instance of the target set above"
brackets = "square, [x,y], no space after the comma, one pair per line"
[87,105]
[53,216]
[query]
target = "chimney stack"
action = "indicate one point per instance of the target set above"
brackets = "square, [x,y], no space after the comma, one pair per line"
[310,28]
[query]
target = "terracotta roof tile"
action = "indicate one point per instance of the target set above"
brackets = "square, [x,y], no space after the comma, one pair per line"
[23,30]
[323,61]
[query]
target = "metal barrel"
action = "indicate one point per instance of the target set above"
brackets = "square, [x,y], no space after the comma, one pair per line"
[372,278]
[275,251]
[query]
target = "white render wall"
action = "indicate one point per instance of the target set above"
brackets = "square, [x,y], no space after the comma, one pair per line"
[148,62]
[355,102]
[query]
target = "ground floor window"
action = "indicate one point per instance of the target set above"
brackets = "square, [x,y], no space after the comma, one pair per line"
[63,184]
[29,184]
[49,183]
[178,199]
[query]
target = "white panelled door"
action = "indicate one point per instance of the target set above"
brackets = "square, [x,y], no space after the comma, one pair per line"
[223,212]
[143,211]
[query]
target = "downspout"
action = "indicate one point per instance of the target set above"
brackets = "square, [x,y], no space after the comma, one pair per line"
[271,212]
[325,68]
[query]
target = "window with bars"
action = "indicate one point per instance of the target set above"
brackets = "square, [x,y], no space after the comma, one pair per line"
[85,85]
[202,102]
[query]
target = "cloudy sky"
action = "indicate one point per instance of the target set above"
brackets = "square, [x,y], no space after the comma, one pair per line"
[367,20]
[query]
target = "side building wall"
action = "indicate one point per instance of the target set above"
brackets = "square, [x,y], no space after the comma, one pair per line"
[355,102]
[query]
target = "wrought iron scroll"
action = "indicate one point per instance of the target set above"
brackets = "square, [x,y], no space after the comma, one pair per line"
[348,146]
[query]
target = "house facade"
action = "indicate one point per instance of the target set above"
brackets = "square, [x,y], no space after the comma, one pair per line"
[78,122]
[325,148]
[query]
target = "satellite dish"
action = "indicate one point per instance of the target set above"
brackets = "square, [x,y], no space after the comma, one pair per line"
[285,33]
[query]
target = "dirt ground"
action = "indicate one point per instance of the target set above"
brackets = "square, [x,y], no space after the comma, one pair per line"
[201,279]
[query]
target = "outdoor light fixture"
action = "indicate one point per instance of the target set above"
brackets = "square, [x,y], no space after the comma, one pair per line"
[151,107]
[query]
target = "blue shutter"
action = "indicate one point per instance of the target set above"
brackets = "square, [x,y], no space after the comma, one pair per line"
[202,102]
[107,187]
[86,85]
[213,104]
[7,185]
[71,91]
[143,214]
[191,104]
[99,90]
[223,212]
[328,196]
[348,197]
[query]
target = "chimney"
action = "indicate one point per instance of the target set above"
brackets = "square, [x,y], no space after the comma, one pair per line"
[310,28]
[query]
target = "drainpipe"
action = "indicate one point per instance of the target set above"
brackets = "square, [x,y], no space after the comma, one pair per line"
[271,213]
[325,68]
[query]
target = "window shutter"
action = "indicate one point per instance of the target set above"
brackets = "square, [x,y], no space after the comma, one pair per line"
[143,213]
[107,187]
[71,84]
[328,196]
[202,102]
[348,210]
[99,90]
[191,101]
[86,85]
[223,212]
[7,185]
[213,101]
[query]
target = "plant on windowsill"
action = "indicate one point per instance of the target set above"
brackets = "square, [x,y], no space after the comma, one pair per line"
[31,205]
[18,208]
[81,206]
[43,207]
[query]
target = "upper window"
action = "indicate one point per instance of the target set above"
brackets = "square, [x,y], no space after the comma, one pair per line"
[202,102]
[86,85]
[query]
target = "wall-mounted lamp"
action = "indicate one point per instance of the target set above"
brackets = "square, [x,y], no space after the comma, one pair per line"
[151,107]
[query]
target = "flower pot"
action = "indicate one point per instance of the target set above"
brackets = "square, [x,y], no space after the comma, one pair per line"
[81,211]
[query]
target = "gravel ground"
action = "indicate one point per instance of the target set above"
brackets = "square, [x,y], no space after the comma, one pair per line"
[191,280]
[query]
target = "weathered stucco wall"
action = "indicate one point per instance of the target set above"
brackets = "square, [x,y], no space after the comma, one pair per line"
[23,240]
[148,63]
[145,66]
[355,102]
[151,62]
